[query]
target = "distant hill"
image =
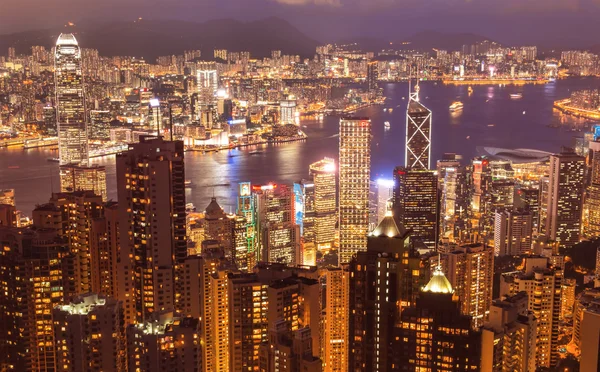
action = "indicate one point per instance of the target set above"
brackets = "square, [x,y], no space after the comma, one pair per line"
[153,38]
[442,40]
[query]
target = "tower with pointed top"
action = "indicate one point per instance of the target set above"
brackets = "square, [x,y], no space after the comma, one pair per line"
[433,335]
[417,153]
[70,102]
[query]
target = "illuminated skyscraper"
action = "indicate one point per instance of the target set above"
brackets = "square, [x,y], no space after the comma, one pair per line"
[324,218]
[32,265]
[372,76]
[279,234]
[565,195]
[287,111]
[433,335]
[70,102]
[418,133]
[150,184]
[207,82]
[591,227]
[354,175]
[543,287]
[416,204]
[508,339]
[87,178]
[383,280]
[248,325]
[246,209]
[336,318]
[164,343]
[470,271]
[512,232]
[89,334]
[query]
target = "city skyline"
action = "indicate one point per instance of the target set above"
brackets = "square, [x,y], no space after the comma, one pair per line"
[291,213]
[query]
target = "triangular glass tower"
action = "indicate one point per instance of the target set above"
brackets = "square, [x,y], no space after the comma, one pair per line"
[418,133]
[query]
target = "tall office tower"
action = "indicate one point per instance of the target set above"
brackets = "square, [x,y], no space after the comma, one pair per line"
[512,232]
[454,203]
[418,133]
[220,53]
[164,343]
[567,300]
[288,350]
[325,216]
[543,287]
[32,264]
[508,338]
[384,193]
[527,197]
[297,302]
[207,81]
[279,234]
[433,335]
[287,111]
[372,76]
[543,218]
[416,204]
[89,334]
[481,177]
[565,196]
[248,303]
[74,212]
[383,280]
[205,297]
[8,215]
[246,209]
[150,184]
[104,252]
[100,124]
[336,320]
[304,208]
[591,226]
[470,271]
[219,226]
[7,196]
[70,102]
[87,178]
[354,176]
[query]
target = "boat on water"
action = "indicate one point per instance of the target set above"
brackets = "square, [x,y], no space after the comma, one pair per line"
[255,152]
[516,95]
[386,125]
[456,106]
[54,160]
[469,89]
[385,110]
[390,110]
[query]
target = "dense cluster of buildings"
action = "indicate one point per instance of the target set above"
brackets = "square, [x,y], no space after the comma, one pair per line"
[333,273]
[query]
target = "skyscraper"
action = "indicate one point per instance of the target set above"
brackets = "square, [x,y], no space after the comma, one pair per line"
[70,102]
[543,287]
[324,217]
[565,195]
[150,184]
[508,339]
[512,232]
[470,271]
[336,317]
[591,227]
[383,280]
[87,178]
[89,334]
[354,175]
[415,203]
[433,335]
[418,133]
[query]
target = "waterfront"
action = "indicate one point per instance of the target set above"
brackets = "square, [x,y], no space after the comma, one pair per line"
[489,118]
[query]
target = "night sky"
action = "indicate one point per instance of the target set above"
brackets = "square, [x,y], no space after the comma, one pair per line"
[543,22]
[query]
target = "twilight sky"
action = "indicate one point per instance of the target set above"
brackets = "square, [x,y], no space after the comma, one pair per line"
[546,22]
